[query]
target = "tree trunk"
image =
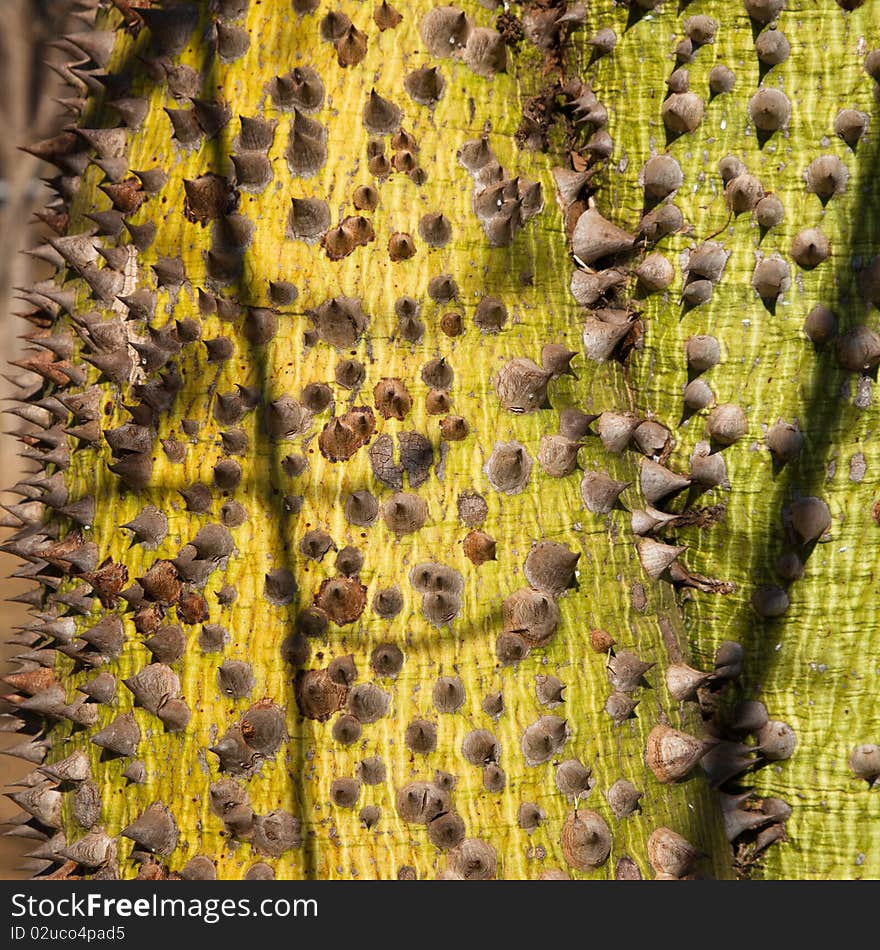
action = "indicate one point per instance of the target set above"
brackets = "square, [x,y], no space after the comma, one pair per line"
[331,517]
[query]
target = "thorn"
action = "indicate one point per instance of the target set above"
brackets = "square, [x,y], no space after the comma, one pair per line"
[97,44]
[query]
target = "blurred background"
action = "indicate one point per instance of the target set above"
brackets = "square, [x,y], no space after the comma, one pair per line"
[29,88]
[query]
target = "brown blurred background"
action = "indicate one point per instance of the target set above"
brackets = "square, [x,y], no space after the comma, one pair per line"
[28,113]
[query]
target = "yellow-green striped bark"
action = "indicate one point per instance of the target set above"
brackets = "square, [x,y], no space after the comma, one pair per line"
[814,667]
[290,489]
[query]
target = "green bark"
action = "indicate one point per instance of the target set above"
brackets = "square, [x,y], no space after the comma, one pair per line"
[815,666]
[289,488]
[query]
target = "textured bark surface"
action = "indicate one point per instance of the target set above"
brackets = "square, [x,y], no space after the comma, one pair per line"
[285,594]
[815,666]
